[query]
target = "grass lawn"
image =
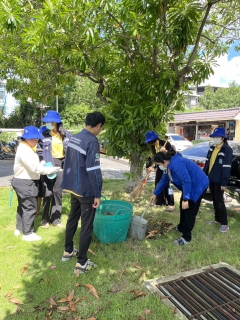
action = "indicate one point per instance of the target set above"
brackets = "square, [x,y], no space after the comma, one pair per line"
[34,274]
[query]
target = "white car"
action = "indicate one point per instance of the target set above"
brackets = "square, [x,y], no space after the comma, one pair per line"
[178,142]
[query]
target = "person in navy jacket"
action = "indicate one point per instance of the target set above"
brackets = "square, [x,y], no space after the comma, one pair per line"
[191,180]
[52,149]
[82,177]
[218,169]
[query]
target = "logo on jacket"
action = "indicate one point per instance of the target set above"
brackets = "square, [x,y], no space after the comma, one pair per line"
[220,161]
[97,155]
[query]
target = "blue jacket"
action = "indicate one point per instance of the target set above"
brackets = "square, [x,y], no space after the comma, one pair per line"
[82,174]
[186,176]
[221,169]
[44,149]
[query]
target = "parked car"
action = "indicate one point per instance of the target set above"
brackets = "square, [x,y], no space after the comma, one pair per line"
[198,153]
[178,142]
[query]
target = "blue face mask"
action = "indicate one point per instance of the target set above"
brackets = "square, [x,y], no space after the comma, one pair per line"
[162,168]
[49,126]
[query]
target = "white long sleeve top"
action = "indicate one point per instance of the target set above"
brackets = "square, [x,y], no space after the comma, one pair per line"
[27,164]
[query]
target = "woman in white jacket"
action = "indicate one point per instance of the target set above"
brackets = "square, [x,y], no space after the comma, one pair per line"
[27,169]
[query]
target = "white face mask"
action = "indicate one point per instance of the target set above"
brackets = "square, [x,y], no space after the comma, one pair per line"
[162,168]
[49,126]
[217,140]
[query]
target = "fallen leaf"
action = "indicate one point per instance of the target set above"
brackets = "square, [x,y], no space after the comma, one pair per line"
[78,318]
[89,250]
[122,273]
[140,294]
[137,266]
[77,273]
[147,311]
[92,290]
[17,287]
[96,244]
[64,308]
[16,301]
[72,306]
[77,300]
[8,294]
[53,267]
[52,302]
[63,300]
[92,319]
[71,295]
[143,277]
[77,285]
[9,247]
[174,309]
[24,269]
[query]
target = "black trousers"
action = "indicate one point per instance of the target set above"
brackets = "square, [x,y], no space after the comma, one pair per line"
[220,211]
[27,191]
[52,197]
[164,199]
[81,207]
[188,217]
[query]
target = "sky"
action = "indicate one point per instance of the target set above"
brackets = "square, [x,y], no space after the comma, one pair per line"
[228,69]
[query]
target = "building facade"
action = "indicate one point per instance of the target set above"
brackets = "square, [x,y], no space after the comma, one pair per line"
[199,125]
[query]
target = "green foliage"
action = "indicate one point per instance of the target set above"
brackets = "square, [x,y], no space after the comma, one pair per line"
[26,115]
[7,136]
[73,116]
[222,98]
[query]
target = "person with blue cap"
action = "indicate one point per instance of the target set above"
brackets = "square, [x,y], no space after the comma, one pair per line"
[218,169]
[27,169]
[52,151]
[165,198]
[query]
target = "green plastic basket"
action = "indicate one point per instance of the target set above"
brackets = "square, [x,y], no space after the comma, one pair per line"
[112,221]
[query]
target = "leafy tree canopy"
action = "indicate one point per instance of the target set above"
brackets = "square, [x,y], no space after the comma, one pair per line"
[141,54]
[222,98]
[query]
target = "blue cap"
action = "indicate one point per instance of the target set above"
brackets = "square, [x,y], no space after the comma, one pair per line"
[52,116]
[218,132]
[31,132]
[151,136]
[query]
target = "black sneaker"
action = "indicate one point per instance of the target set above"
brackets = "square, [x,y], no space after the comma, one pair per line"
[67,256]
[86,267]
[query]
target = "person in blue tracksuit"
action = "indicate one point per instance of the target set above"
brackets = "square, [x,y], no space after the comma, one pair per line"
[218,169]
[191,180]
[82,177]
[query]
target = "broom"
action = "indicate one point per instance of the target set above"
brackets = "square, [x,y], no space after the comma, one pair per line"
[139,188]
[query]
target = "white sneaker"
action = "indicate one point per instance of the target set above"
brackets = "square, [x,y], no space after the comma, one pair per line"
[31,237]
[17,233]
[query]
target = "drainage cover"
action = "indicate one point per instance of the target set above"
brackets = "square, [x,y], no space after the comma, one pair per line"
[213,294]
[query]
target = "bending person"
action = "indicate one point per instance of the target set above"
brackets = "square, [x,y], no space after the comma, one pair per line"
[191,180]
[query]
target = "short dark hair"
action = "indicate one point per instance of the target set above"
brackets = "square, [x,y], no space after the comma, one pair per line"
[161,156]
[94,118]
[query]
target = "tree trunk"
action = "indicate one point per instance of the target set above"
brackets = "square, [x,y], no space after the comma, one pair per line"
[136,170]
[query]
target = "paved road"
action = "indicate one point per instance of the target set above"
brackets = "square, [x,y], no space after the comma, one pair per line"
[111,169]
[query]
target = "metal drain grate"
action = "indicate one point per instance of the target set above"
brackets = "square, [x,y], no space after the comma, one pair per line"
[210,295]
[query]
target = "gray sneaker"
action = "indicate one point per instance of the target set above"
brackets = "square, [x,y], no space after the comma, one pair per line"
[224,228]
